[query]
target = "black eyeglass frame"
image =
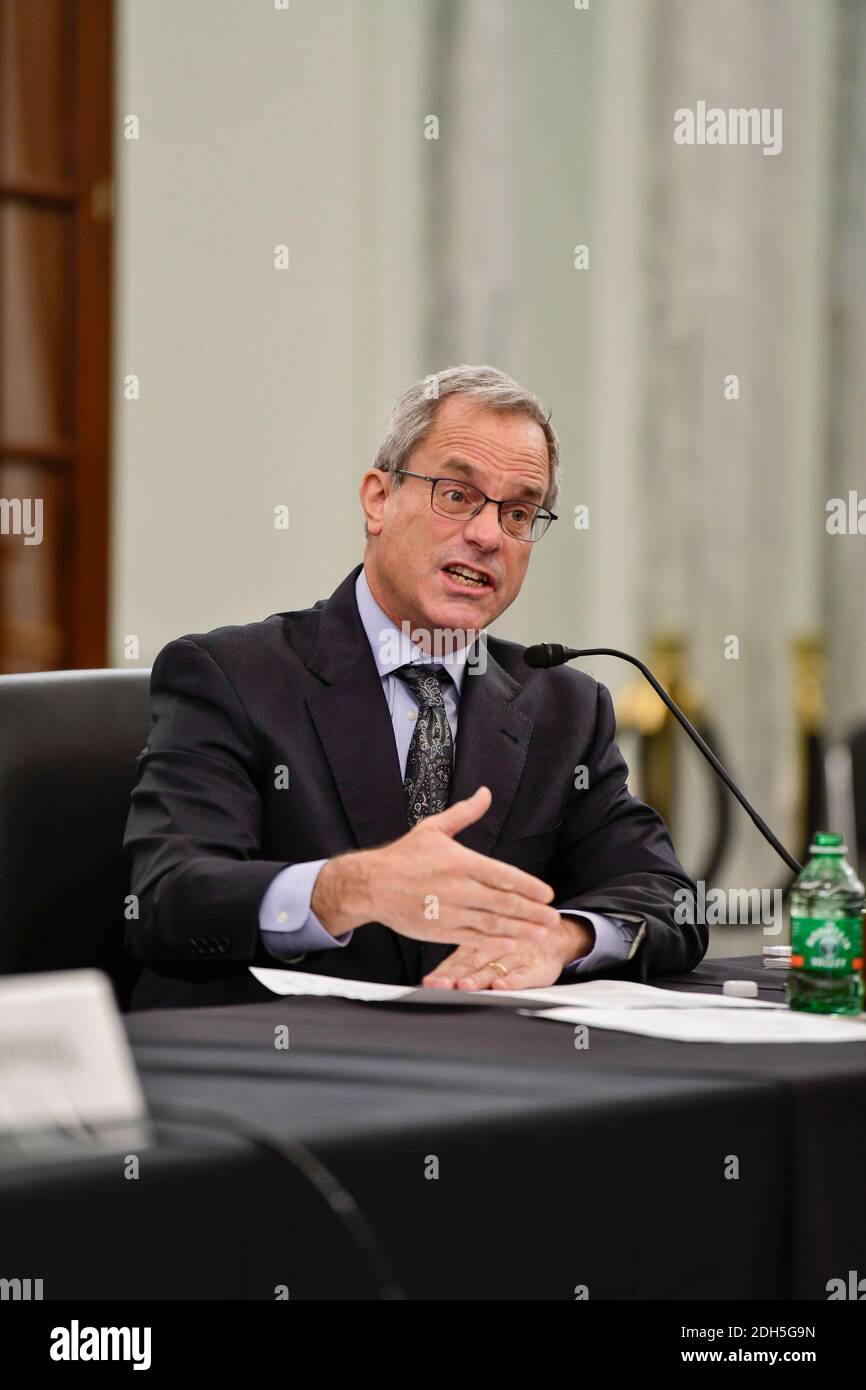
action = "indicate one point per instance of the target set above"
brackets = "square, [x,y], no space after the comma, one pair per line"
[498,503]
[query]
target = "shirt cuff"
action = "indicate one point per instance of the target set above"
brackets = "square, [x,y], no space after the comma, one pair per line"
[289,927]
[613,939]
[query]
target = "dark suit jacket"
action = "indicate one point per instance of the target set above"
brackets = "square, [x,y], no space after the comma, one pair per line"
[208,828]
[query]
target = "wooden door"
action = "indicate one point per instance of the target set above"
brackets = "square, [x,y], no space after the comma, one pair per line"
[55,280]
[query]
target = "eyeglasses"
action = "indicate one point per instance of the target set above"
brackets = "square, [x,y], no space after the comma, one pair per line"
[523,521]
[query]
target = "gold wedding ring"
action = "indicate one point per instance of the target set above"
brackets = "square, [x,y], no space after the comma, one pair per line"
[497,965]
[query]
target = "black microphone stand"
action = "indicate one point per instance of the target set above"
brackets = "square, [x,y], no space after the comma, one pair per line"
[547,654]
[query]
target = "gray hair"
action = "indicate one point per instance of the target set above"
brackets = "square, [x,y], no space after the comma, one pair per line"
[412,416]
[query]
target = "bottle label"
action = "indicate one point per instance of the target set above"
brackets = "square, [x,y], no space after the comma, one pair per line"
[823,944]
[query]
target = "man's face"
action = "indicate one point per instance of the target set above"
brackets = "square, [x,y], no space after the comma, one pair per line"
[411,546]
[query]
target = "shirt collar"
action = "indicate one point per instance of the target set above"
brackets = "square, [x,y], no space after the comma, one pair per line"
[392,648]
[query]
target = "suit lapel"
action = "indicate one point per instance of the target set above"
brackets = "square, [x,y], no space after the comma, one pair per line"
[492,744]
[353,723]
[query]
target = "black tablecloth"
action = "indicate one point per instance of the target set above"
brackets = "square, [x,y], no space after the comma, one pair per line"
[607,1167]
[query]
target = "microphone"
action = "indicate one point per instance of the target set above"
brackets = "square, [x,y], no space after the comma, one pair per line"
[545,654]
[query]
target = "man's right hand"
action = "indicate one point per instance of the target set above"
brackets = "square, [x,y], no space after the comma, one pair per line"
[426,886]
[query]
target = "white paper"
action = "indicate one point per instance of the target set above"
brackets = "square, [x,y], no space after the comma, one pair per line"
[629,994]
[595,994]
[712,1025]
[301,982]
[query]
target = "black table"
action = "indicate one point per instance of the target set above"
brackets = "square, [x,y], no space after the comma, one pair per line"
[556,1168]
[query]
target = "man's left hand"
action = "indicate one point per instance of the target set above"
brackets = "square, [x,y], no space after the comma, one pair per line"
[527,964]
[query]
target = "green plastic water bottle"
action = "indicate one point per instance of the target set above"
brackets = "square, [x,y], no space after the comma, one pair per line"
[827,902]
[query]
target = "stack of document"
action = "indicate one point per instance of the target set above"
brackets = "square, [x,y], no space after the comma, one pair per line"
[628,1007]
[623,1005]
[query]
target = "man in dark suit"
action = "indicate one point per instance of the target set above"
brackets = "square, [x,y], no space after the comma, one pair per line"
[375,788]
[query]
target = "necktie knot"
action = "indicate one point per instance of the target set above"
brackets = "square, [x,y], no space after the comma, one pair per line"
[425,682]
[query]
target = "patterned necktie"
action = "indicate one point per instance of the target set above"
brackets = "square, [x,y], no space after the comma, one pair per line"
[427,782]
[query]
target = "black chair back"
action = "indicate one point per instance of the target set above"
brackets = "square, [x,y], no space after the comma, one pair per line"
[69,741]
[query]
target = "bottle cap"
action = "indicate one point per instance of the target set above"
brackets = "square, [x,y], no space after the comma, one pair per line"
[827,842]
[741,989]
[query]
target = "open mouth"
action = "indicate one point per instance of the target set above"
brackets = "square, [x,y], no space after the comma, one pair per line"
[465,577]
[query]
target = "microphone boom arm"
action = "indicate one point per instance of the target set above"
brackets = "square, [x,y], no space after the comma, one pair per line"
[693,734]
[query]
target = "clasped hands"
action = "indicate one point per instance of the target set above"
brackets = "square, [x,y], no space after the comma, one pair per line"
[426,886]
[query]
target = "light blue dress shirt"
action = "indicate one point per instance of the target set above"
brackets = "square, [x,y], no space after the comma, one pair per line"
[288,925]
